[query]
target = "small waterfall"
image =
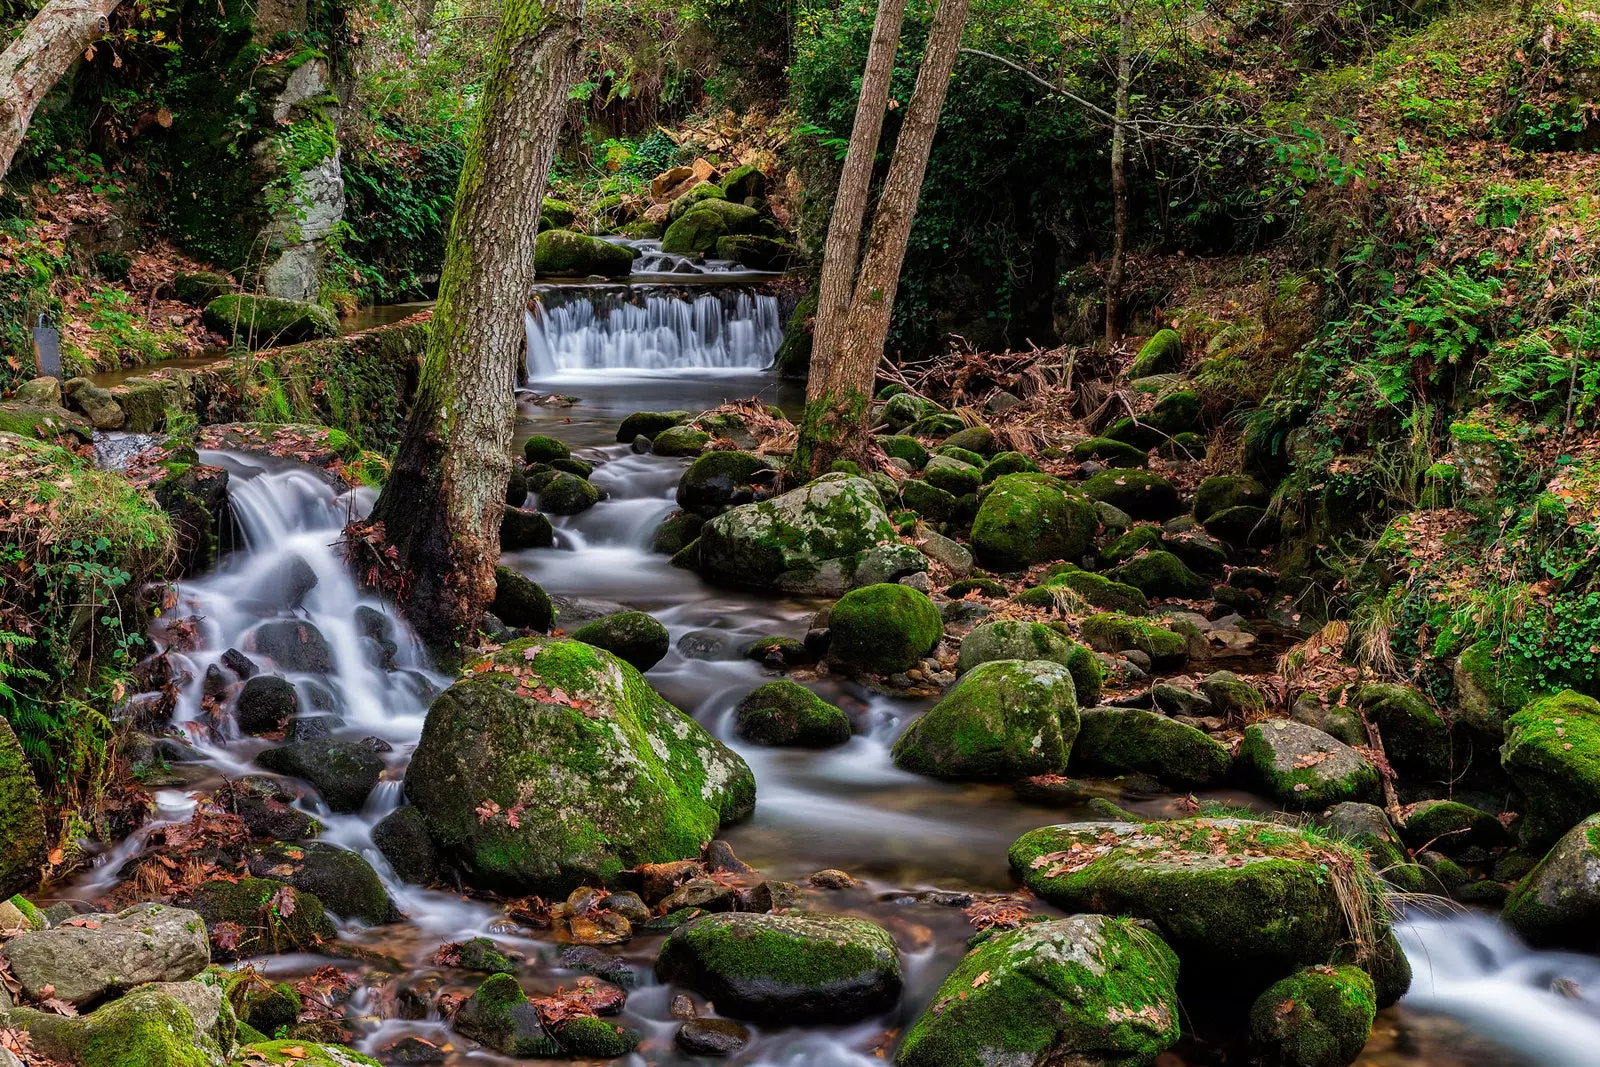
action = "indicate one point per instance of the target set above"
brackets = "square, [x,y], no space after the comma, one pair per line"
[585,329]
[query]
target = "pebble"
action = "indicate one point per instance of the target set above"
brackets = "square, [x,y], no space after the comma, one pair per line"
[682,1007]
[832,878]
[918,581]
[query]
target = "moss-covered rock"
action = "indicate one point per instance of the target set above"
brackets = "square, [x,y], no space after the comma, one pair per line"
[1244,526]
[742,182]
[1008,463]
[648,424]
[1452,827]
[608,773]
[1114,741]
[568,254]
[928,500]
[520,601]
[48,423]
[1111,452]
[1025,519]
[787,713]
[1005,719]
[695,194]
[522,528]
[1114,632]
[800,967]
[1245,897]
[1161,574]
[801,539]
[696,231]
[294,1052]
[402,837]
[22,831]
[588,1037]
[343,772]
[149,1027]
[266,321]
[979,439]
[1142,494]
[676,531]
[719,480]
[1232,696]
[201,287]
[499,1015]
[1552,754]
[1100,591]
[952,475]
[1490,687]
[1301,767]
[344,882]
[568,494]
[1223,491]
[1162,354]
[937,425]
[902,446]
[1558,903]
[262,1005]
[1086,989]
[757,252]
[1416,740]
[249,917]
[1366,827]
[1318,1017]
[680,441]
[1012,639]
[883,628]
[635,637]
[542,448]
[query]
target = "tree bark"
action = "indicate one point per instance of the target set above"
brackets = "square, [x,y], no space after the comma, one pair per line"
[442,504]
[843,247]
[839,399]
[34,62]
[1119,177]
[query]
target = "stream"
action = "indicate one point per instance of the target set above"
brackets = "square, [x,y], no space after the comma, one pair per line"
[1478,997]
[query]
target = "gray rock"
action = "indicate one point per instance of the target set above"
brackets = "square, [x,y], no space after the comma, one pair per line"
[111,953]
[44,392]
[952,555]
[1558,903]
[1302,767]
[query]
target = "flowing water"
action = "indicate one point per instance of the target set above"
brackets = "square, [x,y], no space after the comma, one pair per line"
[1478,998]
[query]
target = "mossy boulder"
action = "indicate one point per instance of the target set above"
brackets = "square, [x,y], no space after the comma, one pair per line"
[787,713]
[1162,354]
[266,321]
[201,287]
[757,252]
[345,883]
[542,448]
[1233,895]
[1416,740]
[522,528]
[1113,741]
[1008,463]
[1004,720]
[1114,632]
[292,1052]
[1244,526]
[798,967]
[568,494]
[1012,639]
[48,423]
[696,231]
[675,532]
[343,772]
[694,195]
[262,1005]
[1552,755]
[608,774]
[952,475]
[719,480]
[635,637]
[937,426]
[1142,494]
[1223,491]
[589,1037]
[979,439]
[402,836]
[520,601]
[1318,1017]
[1367,827]
[1132,542]
[1086,989]
[22,831]
[1111,452]
[648,424]
[1451,827]
[803,539]
[499,1015]
[568,254]
[554,213]
[883,628]
[928,500]
[1558,903]
[252,913]
[680,441]
[742,182]
[152,1026]
[1301,767]
[1490,686]
[1100,591]
[1161,574]
[901,446]
[1025,519]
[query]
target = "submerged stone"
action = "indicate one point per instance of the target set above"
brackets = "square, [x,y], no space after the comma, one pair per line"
[343,772]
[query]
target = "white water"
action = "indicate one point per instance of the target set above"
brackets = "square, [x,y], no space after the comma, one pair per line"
[583,330]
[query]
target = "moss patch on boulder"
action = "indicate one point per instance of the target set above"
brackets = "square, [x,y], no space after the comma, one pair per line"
[637,638]
[1115,741]
[1301,767]
[1113,632]
[266,321]
[883,628]
[791,539]
[1025,519]
[787,713]
[1552,754]
[1005,719]
[567,254]
[1317,1017]
[1141,494]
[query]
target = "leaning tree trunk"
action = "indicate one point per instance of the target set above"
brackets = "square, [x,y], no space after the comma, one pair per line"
[442,504]
[837,407]
[33,63]
[843,248]
[1119,178]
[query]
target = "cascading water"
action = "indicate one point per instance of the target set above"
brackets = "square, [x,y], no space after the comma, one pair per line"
[647,328]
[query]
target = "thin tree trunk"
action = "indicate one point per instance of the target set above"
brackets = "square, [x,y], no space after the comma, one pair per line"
[1119,177]
[837,406]
[843,247]
[33,63]
[442,505]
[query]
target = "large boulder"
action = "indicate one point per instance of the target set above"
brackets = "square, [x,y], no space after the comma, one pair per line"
[1161,574]
[1005,719]
[1017,639]
[787,713]
[1552,754]
[718,480]
[22,844]
[251,916]
[1223,491]
[883,628]
[1416,741]
[1318,1017]
[554,765]
[1087,989]
[500,1016]
[402,836]
[1114,632]
[344,882]
[153,1026]
[295,645]
[266,807]
[266,704]
[1558,903]
[1115,741]
[105,955]
[520,601]
[637,638]
[1301,767]
[1141,494]
[265,321]
[343,772]
[696,231]
[567,254]
[799,967]
[808,539]
[1025,519]
[1162,354]
[1234,895]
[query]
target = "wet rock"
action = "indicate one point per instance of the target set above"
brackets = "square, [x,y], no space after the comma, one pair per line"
[154,1025]
[636,780]
[723,479]
[675,532]
[402,837]
[343,772]
[1244,526]
[703,645]
[1415,739]
[711,1037]
[800,968]
[776,651]
[658,880]
[344,882]
[285,586]
[516,495]
[1318,1017]
[521,602]
[951,555]
[883,628]
[410,1051]
[1015,639]
[626,904]
[311,727]
[195,498]
[500,1016]
[525,528]
[701,893]
[788,541]
[633,636]
[1180,700]
[1005,719]
[265,705]
[587,1037]
[1113,741]
[647,424]
[1452,827]
[1086,989]
[1558,903]
[110,953]
[266,807]
[295,645]
[1141,494]
[832,879]
[1053,790]
[568,494]
[22,829]
[248,917]
[1367,827]
[1303,768]
[1025,519]
[787,713]
[601,964]
[1552,754]
[240,664]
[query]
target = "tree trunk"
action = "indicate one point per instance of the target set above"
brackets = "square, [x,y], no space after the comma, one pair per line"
[442,504]
[1119,177]
[843,247]
[34,62]
[838,400]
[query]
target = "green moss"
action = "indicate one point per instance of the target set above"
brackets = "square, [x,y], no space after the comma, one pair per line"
[568,254]
[928,500]
[555,213]
[1113,741]
[1141,494]
[1110,452]
[34,916]
[293,1053]
[44,423]
[1005,719]
[680,441]
[787,713]
[883,628]
[1132,543]
[262,1005]
[1301,767]
[1161,574]
[1223,491]
[906,448]
[589,1037]
[1025,519]
[1112,632]
[1162,354]
[1415,739]
[144,1028]
[1008,463]
[697,231]
[647,424]
[696,194]
[541,448]
[952,475]
[757,252]
[1490,685]
[1318,1017]
[248,905]
[1552,754]
[265,321]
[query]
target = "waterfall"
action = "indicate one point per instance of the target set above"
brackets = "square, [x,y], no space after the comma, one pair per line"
[586,329]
